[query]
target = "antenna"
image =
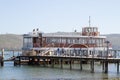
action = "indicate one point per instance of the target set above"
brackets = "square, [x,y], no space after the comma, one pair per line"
[89,22]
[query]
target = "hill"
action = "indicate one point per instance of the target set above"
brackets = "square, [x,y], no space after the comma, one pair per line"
[114,39]
[13,41]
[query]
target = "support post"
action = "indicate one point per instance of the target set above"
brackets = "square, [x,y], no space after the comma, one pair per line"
[61,64]
[2,62]
[38,61]
[70,64]
[103,66]
[81,64]
[106,66]
[52,62]
[117,66]
[44,63]
[92,66]
[29,62]
[106,61]
[15,63]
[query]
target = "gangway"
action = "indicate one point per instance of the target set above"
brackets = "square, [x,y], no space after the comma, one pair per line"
[10,59]
[46,52]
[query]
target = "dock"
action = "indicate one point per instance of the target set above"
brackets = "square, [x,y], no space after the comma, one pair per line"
[52,60]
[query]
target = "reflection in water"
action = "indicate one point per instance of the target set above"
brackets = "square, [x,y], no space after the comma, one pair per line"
[10,72]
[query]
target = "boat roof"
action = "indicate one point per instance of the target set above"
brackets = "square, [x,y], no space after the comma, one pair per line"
[62,34]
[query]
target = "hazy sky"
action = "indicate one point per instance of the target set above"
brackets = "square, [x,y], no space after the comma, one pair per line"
[22,16]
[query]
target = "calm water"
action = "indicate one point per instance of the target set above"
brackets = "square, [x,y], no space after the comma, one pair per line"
[24,72]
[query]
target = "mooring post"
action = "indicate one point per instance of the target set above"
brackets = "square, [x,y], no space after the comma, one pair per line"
[80,60]
[38,61]
[92,62]
[61,64]
[52,62]
[44,62]
[81,64]
[103,65]
[29,62]
[15,63]
[106,66]
[70,64]
[117,66]
[92,66]
[2,63]
[106,60]
[2,60]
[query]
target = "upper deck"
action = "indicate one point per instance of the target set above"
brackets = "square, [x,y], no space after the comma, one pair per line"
[69,35]
[86,32]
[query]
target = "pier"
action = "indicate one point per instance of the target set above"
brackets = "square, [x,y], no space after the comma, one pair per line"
[53,60]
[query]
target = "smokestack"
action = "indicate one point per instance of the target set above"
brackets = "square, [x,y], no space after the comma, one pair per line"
[37,29]
[33,30]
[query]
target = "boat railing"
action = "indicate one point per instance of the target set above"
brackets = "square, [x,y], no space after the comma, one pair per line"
[46,52]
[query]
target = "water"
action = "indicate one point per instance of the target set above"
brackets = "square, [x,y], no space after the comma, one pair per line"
[25,72]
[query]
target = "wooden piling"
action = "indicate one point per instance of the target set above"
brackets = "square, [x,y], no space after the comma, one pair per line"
[15,63]
[52,62]
[117,66]
[44,63]
[92,66]
[70,64]
[29,60]
[81,65]
[106,66]
[103,65]
[61,64]
[2,62]
[38,61]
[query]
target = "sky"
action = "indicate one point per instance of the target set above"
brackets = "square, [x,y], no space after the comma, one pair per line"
[22,16]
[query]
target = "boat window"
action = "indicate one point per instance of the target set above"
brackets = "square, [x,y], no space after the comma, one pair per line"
[27,42]
[63,40]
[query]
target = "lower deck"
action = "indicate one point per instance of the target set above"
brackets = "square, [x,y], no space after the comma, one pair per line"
[52,60]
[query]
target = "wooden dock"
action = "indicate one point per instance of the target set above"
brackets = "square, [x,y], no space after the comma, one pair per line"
[64,59]
[52,60]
